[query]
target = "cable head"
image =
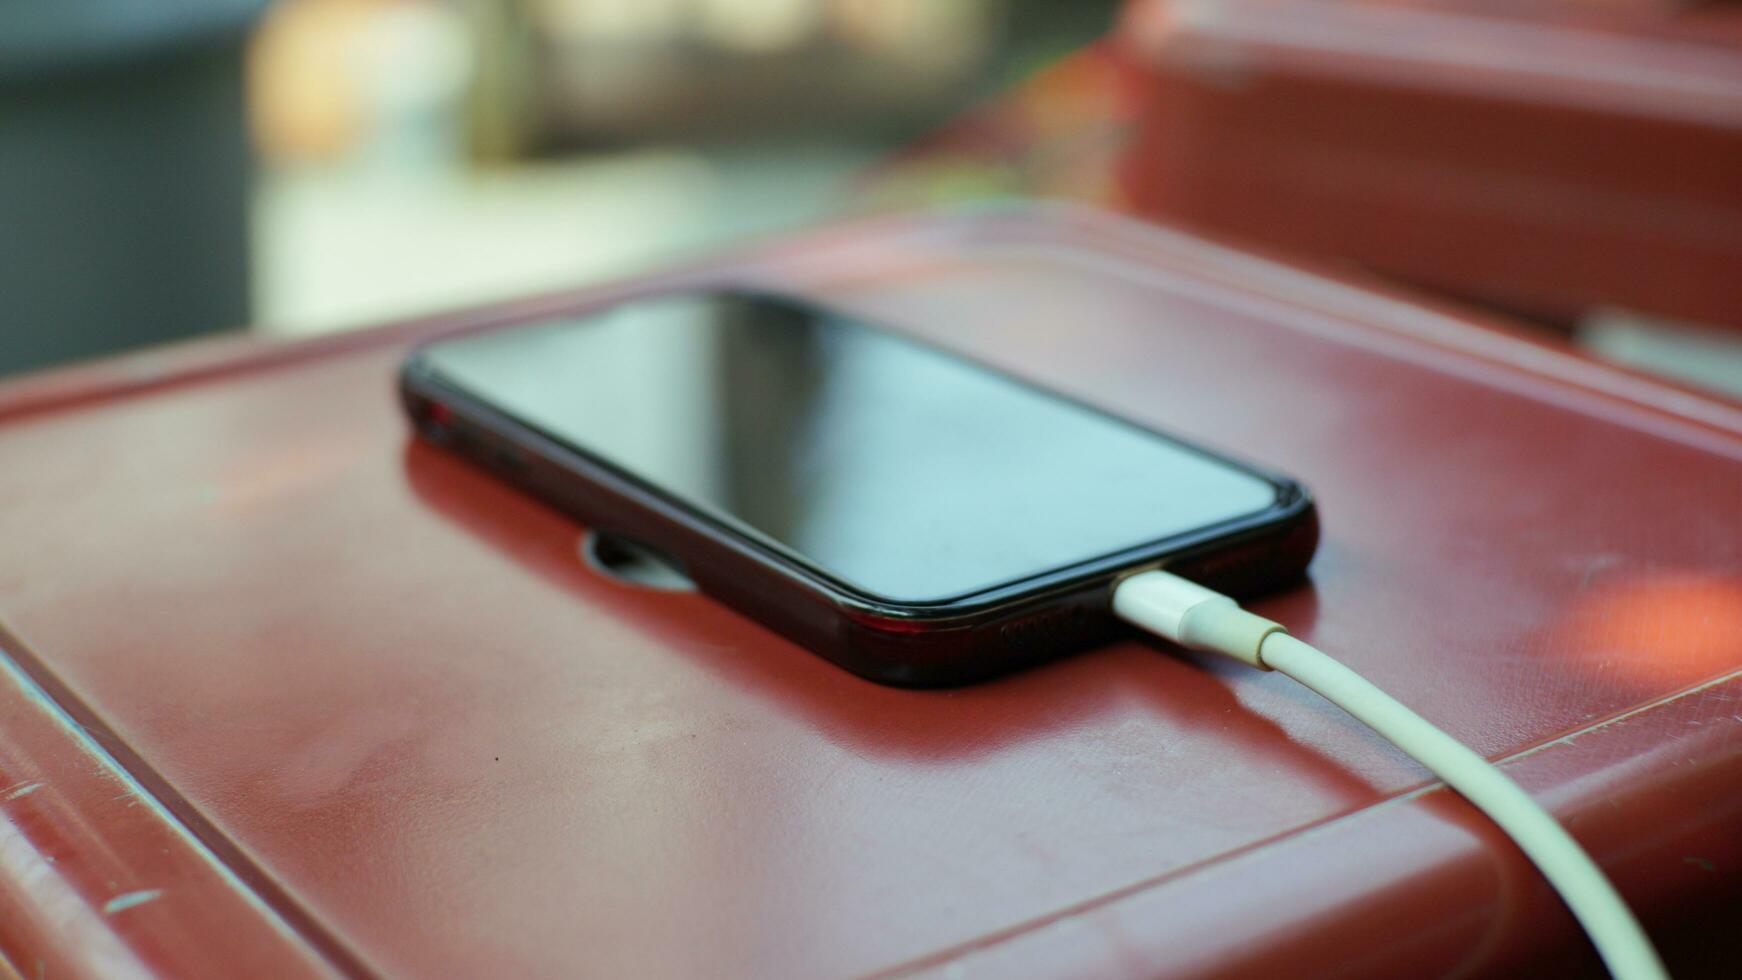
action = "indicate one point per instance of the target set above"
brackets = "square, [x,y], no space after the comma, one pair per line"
[1192,616]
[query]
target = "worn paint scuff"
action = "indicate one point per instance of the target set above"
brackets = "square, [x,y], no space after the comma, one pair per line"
[123,902]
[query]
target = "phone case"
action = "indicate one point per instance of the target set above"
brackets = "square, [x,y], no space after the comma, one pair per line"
[905,644]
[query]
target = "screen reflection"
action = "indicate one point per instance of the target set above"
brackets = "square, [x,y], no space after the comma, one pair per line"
[891,466]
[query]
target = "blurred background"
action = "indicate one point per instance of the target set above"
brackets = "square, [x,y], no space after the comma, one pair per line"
[310,165]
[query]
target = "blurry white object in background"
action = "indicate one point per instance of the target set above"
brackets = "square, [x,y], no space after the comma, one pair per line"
[384,81]
[1703,355]
[758,25]
[555,73]
[415,62]
[340,247]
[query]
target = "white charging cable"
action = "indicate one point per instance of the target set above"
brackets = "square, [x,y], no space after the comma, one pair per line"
[1202,619]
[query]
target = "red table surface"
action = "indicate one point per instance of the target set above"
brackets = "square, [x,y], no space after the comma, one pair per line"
[306,696]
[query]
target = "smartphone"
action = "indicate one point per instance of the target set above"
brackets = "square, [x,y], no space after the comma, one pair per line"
[916,516]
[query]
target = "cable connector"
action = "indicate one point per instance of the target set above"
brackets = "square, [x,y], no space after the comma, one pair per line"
[1192,616]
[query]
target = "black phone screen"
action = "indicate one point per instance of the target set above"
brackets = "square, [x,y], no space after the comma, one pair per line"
[896,468]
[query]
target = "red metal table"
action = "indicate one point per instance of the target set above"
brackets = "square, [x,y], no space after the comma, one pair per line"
[285,692]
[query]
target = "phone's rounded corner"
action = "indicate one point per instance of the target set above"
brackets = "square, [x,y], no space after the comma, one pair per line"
[413,371]
[1298,522]
[420,396]
[1293,499]
[1287,533]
